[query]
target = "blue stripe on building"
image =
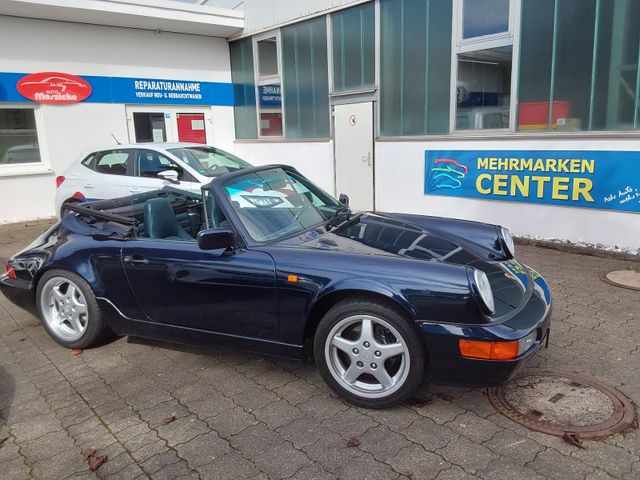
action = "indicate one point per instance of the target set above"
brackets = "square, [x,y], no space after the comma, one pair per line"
[137,90]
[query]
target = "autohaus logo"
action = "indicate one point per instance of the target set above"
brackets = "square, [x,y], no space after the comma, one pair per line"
[54,88]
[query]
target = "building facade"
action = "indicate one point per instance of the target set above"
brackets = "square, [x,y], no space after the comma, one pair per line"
[523,113]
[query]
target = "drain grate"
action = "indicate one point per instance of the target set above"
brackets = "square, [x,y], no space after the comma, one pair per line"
[560,403]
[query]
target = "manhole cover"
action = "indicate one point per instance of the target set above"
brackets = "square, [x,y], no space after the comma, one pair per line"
[623,278]
[560,403]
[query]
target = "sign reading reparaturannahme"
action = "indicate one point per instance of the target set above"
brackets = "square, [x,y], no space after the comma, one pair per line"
[592,179]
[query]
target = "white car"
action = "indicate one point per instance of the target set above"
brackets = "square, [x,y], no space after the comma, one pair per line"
[121,170]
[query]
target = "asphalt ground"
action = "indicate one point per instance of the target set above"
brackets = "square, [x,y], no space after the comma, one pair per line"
[163,411]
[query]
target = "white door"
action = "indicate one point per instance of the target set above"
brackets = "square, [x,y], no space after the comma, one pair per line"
[353,137]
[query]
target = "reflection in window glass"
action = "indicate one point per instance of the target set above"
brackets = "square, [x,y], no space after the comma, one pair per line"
[305,79]
[584,95]
[267,57]
[244,92]
[270,102]
[484,89]
[415,67]
[18,136]
[353,32]
[149,127]
[485,17]
[113,162]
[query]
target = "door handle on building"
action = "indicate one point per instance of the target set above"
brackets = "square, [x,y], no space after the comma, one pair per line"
[366,159]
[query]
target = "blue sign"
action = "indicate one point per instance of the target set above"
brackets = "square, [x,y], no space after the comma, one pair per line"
[137,90]
[270,95]
[592,179]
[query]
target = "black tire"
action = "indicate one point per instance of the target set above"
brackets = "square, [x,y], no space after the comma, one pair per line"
[414,350]
[96,330]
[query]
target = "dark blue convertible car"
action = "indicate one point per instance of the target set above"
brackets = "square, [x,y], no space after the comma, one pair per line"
[266,261]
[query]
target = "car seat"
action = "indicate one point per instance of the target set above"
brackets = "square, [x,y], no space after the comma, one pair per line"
[149,164]
[161,222]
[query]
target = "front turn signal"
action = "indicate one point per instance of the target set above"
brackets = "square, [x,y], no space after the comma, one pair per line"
[488,350]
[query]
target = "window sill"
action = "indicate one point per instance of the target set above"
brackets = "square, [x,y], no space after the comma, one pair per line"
[505,135]
[24,170]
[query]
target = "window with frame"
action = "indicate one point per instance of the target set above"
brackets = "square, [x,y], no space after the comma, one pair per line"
[353,45]
[18,136]
[112,162]
[269,87]
[415,66]
[306,79]
[244,88]
[149,163]
[579,65]
[483,64]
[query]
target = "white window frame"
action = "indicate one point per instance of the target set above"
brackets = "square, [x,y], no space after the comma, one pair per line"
[34,168]
[461,45]
[268,79]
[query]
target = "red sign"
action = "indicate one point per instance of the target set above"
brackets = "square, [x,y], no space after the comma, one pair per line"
[54,88]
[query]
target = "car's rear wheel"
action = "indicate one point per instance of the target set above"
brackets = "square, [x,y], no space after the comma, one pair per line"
[369,353]
[69,311]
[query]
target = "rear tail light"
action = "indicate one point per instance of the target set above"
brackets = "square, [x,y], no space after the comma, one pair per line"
[59,180]
[11,273]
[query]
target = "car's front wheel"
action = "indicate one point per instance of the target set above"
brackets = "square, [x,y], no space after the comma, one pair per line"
[369,353]
[69,311]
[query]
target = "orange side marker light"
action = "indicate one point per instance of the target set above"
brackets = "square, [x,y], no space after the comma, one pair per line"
[292,278]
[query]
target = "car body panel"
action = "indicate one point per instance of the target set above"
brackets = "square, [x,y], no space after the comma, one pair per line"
[268,297]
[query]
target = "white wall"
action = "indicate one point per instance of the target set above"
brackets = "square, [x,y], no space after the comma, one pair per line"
[38,45]
[313,159]
[400,186]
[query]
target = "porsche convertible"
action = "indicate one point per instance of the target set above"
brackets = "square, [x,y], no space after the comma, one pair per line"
[266,261]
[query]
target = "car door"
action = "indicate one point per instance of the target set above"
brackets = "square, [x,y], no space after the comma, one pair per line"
[178,284]
[148,163]
[108,174]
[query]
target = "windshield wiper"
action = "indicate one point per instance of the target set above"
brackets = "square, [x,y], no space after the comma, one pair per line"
[341,215]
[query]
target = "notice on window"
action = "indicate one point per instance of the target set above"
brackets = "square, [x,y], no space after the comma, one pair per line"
[593,179]
[197,124]
[158,135]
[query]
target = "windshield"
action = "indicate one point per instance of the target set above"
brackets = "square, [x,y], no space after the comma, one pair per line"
[274,203]
[209,161]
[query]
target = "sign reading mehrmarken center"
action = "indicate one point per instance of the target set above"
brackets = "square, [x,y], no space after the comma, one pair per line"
[591,179]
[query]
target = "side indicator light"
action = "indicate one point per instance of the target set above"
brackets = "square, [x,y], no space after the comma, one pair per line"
[488,350]
[60,180]
[11,273]
[292,278]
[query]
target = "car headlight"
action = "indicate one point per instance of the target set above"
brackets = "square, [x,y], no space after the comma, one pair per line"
[507,240]
[483,290]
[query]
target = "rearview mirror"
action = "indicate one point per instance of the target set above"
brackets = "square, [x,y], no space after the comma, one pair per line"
[216,238]
[344,199]
[169,176]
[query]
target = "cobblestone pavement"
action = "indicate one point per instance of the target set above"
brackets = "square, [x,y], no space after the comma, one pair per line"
[244,416]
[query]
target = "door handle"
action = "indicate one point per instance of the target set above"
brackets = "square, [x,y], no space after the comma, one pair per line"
[135,259]
[89,185]
[366,159]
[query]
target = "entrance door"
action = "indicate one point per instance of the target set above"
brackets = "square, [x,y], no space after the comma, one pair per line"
[353,137]
[191,127]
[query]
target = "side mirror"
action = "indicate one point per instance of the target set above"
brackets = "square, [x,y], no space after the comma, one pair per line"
[169,176]
[344,199]
[216,238]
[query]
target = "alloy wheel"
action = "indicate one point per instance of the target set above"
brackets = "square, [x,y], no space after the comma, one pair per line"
[64,308]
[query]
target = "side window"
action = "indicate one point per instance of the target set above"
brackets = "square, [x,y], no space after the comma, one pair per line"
[113,162]
[88,162]
[149,163]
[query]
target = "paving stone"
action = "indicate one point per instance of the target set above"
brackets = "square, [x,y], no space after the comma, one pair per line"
[211,405]
[382,443]
[503,469]
[473,427]
[60,465]
[415,462]
[15,469]
[231,422]
[278,413]
[614,460]
[203,449]
[551,464]
[297,391]
[331,451]
[468,455]
[159,461]
[255,440]
[428,434]
[254,398]
[182,430]
[35,427]
[349,423]
[314,472]
[365,467]
[231,466]
[322,406]
[303,431]
[281,461]
[516,448]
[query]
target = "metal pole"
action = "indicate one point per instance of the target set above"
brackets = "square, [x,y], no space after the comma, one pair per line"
[552,88]
[637,106]
[594,59]
[401,67]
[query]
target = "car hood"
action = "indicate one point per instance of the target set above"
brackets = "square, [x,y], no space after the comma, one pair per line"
[390,236]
